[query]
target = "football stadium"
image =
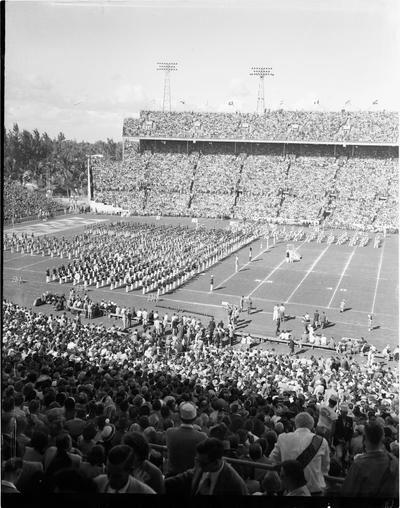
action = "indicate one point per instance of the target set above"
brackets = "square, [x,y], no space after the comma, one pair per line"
[215,312]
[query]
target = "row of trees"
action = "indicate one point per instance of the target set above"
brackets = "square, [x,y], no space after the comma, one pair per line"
[58,164]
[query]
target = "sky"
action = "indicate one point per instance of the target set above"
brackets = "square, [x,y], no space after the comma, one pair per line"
[81,67]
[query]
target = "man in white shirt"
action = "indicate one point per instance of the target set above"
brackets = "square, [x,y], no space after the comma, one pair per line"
[290,446]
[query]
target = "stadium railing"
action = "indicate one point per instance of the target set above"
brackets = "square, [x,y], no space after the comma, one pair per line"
[333,482]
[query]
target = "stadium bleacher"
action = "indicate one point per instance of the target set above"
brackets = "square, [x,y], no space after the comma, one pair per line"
[340,186]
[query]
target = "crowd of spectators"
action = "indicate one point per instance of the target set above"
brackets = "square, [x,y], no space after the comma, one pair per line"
[365,194]
[357,192]
[273,125]
[81,403]
[308,184]
[19,202]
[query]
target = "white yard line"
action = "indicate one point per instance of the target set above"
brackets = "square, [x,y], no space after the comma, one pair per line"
[307,274]
[12,260]
[377,278]
[259,299]
[341,276]
[235,273]
[270,273]
[32,264]
[191,303]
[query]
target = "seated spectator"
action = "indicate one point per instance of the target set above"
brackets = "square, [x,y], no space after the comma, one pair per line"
[72,481]
[11,472]
[118,479]
[374,473]
[37,447]
[270,484]
[95,463]
[293,480]
[211,475]
[142,468]
[60,456]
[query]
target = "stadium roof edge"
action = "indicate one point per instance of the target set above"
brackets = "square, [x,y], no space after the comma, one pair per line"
[259,141]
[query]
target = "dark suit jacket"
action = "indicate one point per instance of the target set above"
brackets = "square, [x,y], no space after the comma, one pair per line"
[181,444]
[31,473]
[187,483]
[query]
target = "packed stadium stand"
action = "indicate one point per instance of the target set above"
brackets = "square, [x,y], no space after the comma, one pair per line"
[280,125]
[337,169]
[20,202]
[174,402]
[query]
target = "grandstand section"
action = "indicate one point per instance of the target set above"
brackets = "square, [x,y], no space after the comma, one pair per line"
[368,127]
[335,169]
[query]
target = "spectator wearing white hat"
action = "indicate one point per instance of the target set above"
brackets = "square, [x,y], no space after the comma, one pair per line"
[182,441]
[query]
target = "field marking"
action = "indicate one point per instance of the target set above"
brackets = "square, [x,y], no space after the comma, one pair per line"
[342,275]
[258,298]
[15,258]
[53,226]
[20,269]
[236,272]
[377,279]
[167,299]
[31,264]
[307,274]
[271,272]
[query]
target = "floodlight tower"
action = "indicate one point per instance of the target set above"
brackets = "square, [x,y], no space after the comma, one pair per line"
[167,67]
[261,72]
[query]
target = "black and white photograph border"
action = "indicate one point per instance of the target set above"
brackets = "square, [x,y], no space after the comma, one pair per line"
[202,197]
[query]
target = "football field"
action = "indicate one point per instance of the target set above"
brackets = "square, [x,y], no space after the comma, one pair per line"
[366,278]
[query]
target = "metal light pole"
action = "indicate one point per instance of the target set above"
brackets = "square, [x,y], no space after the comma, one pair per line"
[261,72]
[89,182]
[167,67]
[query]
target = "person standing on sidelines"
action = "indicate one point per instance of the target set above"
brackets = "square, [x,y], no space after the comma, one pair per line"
[316,322]
[250,254]
[370,318]
[212,283]
[281,311]
[241,304]
[342,306]
[236,263]
[323,320]
[249,305]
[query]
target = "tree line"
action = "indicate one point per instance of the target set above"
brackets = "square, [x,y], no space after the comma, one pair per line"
[58,164]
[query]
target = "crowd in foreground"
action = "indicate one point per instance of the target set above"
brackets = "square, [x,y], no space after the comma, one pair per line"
[81,405]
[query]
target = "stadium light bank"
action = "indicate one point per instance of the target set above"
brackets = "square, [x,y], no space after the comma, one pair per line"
[167,67]
[261,72]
